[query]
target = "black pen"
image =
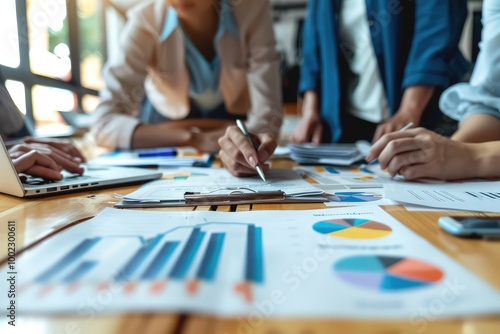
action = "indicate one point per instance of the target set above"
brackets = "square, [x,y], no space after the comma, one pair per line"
[243,129]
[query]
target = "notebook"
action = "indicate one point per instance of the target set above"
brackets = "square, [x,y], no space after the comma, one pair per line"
[94,177]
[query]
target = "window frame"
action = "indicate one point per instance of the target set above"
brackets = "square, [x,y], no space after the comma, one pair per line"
[23,72]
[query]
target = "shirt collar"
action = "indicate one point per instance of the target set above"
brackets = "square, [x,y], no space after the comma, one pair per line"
[227,21]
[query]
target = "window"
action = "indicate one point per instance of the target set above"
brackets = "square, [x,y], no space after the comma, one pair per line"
[52,55]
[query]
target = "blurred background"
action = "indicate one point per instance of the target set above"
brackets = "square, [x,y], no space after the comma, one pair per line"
[52,52]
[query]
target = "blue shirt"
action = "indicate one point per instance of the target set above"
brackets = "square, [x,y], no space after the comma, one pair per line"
[415,43]
[204,89]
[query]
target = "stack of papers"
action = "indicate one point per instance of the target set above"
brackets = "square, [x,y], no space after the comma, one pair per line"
[171,190]
[155,157]
[325,154]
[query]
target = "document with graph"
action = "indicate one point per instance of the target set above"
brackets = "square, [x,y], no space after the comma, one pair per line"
[347,263]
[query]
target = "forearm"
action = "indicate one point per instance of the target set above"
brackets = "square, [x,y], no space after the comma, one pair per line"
[486,158]
[415,100]
[173,134]
[160,135]
[478,128]
[310,105]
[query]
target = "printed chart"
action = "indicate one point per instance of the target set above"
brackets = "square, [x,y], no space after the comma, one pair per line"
[355,197]
[387,273]
[352,228]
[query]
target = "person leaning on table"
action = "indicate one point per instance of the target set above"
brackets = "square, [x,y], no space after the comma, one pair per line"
[36,157]
[185,71]
[370,67]
[474,150]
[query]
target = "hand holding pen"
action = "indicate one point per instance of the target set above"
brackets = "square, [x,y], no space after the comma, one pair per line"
[241,154]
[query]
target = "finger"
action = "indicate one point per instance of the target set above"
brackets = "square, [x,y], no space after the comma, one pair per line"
[44,172]
[230,149]
[266,147]
[420,171]
[234,167]
[29,159]
[379,146]
[406,159]
[378,133]
[243,144]
[397,147]
[317,134]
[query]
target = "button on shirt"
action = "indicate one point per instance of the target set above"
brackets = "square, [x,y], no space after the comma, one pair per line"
[204,89]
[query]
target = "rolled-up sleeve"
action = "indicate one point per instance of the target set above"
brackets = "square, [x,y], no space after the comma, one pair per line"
[115,119]
[482,94]
[434,54]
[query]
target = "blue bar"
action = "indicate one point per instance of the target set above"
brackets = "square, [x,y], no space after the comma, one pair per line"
[254,262]
[181,267]
[160,260]
[331,170]
[79,271]
[76,253]
[209,262]
[138,258]
[365,170]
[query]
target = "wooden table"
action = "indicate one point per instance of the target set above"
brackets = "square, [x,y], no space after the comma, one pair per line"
[35,219]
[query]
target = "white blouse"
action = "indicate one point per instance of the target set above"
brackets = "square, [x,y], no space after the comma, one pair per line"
[482,94]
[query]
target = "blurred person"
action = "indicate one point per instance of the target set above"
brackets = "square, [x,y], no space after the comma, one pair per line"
[187,69]
[370,67]
[474,150]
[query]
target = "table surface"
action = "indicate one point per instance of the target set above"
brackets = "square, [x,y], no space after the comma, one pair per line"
[37,218]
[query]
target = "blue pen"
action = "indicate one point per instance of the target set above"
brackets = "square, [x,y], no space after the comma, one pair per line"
[157,153]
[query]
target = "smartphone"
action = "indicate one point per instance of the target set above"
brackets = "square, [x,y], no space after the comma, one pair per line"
[471,226]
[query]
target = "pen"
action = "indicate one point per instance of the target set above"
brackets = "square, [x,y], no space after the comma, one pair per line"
[169,152]
[243,129]
[404,128]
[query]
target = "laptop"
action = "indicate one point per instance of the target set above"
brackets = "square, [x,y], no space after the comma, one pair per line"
[94,177]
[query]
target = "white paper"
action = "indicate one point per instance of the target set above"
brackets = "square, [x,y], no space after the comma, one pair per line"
[175,184]
[363,176]
[184,157]
[350,197]
[470,196]
[269,264]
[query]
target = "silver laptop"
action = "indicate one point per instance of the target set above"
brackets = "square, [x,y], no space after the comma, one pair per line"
[94,177]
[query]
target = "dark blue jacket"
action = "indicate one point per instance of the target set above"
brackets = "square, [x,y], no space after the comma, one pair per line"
[415,42]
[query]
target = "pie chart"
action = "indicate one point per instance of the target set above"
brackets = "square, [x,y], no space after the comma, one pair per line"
[355,197]
[352,228]
[387,273]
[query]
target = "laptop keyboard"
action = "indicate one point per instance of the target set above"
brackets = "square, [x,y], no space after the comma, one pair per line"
[37,181]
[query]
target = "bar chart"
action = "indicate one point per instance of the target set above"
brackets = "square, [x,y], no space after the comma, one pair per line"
[160,259]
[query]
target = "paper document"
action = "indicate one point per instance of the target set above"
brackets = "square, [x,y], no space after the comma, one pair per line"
[160,157]
[351,197]
[325,154]
[362,176]
[335,263]
[174,185]
[471,196]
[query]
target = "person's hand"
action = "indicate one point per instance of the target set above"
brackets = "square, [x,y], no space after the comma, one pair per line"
[28,158]
[310,128]
[62,145]
[395,123]
[206,141]
[419,153]
[36,164]
[239,155]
